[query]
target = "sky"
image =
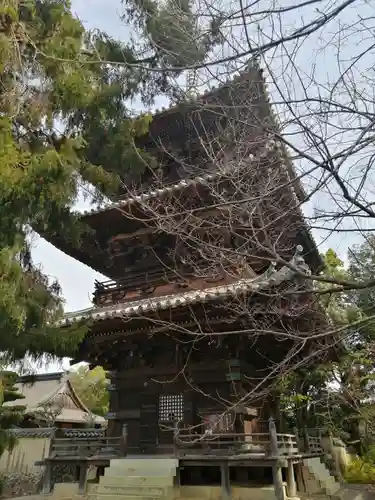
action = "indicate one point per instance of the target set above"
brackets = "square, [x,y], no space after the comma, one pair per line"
[76,279]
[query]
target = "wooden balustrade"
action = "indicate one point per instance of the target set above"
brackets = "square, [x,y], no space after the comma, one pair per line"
[86,447]
[259,444]
[114,292]
[262,445]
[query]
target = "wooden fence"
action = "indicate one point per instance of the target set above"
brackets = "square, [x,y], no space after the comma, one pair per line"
[233,444]
[86,447]
[265,444]
[186,442]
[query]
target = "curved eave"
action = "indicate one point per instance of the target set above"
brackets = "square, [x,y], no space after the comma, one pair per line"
[270,278]
[126,215]
[64,387]
[311,252]
[167,119]
[80,254]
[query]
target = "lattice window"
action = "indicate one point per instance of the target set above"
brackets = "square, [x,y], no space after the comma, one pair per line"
[171,408]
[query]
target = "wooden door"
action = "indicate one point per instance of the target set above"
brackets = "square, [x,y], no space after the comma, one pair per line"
[148,429]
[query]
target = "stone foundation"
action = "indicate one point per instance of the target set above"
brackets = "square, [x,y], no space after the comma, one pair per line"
[69,491]
[215,493]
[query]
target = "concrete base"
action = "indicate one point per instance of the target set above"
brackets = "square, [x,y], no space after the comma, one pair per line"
[137,479]
[65,491]
[214,493]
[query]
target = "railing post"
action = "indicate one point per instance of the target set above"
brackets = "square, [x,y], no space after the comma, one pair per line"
[307,441]
[47,479]
[291,480]
[175,439]
[124,440]
[336,465]
[47,476]
[225,481]
[273,438]
[82,478]
[276,469]
[295,432]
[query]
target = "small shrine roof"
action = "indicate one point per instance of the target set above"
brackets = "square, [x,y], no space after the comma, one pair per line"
[270,278]
[49,389]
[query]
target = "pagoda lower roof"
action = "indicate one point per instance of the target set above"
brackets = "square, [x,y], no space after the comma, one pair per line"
[269,279]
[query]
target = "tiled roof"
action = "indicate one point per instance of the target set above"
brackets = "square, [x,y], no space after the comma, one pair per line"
[168,190]
[77,416]
[236,76]
[37,432]
[271,277]
[86,433]
[52,389]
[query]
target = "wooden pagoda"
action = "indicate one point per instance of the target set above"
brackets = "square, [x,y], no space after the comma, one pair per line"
[180,345]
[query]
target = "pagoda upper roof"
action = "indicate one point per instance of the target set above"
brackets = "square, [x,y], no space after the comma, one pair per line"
[111,218]
[271,278]
[130,200]
[169,121]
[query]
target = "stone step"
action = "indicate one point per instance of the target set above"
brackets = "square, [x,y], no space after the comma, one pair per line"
[137,491]
[322,475]
[121,496]
[333,489]
[158,481]
[167,463]
[148,468]
[313,486]
[137,472]
[317,466]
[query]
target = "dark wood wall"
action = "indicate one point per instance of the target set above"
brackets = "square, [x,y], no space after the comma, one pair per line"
[141,399]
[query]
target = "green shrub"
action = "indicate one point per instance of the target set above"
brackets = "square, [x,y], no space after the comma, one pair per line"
[360,471]
[370,455]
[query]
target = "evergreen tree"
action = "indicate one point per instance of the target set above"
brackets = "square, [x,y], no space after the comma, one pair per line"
[92,388]
[63,115]
[340,395]
[9,416]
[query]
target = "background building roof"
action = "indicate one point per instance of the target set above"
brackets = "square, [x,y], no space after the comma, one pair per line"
[53,390]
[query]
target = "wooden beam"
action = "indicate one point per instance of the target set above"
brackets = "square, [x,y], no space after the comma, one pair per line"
[82,478]
[225,481]
[47,478]
[276,468]
[291,481]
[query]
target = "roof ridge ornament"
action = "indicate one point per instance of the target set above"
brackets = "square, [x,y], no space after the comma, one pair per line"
[299,262]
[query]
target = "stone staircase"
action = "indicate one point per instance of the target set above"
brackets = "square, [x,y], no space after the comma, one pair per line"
[136,479]
[317,478]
